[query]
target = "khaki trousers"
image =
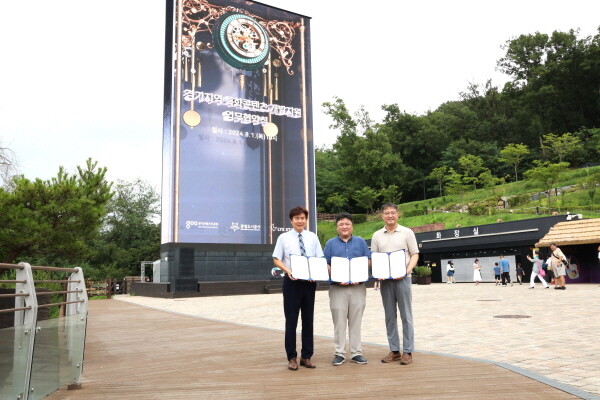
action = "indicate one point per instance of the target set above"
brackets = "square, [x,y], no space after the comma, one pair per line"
[347,305]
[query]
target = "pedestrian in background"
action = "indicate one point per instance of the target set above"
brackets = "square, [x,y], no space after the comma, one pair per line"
[520,273]
[476,272]
[497,273]
[536,270]
[505,266]
[558,267]
[450,272]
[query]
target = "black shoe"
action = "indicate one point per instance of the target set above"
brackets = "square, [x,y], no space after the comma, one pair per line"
[556,287]
[359,359]
[338,360]
[563,288]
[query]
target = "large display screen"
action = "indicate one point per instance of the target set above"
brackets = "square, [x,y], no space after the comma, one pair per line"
[237,146]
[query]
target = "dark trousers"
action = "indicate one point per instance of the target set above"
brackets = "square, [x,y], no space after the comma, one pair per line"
[298,296]
[505,277]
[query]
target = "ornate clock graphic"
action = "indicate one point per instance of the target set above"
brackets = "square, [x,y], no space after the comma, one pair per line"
[241,41]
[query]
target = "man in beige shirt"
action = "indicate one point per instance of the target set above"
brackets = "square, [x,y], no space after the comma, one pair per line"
[557,267]
[397,292]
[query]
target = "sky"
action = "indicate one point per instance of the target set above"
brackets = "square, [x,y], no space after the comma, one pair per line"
[81,79]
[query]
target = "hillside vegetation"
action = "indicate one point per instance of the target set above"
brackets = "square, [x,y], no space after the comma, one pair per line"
[480,206]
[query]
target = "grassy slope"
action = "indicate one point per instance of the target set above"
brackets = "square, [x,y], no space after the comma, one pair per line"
[576,201]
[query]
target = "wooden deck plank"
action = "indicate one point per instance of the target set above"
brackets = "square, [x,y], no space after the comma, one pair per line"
[136,352]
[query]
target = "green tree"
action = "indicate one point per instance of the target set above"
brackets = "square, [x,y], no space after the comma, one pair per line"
[366,197]
[590,184]
[555,81]
[455,184]
[561,146]
[328,177]
[471,166]
[546,174]
[513,154]
[390,194]
[439,174]
[130,232]
[336,202]
[54,218]
[365,158]
[488,151]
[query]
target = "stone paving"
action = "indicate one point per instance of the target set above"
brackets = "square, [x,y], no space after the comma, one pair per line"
[559,340]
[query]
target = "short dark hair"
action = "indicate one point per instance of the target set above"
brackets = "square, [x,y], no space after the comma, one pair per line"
[553,244]
[343,215]
[537,252]
[297,211]
[477,259]
[389,205]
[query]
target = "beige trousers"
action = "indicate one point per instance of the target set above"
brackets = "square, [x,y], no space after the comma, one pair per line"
[347,305]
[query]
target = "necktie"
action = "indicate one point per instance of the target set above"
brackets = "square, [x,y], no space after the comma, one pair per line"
[302,249]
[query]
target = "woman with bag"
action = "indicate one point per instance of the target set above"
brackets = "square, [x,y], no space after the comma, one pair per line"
[559,263]
[536,270]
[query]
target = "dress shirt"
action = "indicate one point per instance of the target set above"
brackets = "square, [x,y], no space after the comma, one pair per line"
[288,244]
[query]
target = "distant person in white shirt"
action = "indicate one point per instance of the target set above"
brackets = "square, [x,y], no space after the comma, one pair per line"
[450,272]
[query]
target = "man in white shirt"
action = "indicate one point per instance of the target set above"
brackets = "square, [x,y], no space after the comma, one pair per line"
[298,295]
[397,292]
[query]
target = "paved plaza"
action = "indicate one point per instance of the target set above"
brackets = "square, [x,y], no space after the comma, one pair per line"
[550,333]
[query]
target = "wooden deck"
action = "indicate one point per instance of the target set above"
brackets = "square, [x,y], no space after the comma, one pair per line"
[133,352]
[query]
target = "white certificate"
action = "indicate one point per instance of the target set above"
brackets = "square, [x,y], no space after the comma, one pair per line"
[359,269]
[353,270]
[388,265]
[398,264]
[299,267]
[340,269]
[318,269]
[380,265]
[309,268]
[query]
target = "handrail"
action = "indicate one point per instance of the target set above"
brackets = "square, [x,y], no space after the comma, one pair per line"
[60,304]
[63,292]
[14,295]
[56,269]
[11,266]
[70,325]
[7,310]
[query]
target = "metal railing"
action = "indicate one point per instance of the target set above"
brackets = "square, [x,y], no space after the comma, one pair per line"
[42,331]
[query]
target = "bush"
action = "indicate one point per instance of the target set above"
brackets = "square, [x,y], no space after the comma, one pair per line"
[518,200]
[422,271]
[479,209]
[359,218]
[413,213]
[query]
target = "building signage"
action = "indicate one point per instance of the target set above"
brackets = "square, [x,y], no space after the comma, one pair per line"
[237,139]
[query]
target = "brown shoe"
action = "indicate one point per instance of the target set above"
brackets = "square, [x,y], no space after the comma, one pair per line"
[293,365]
[392,357]
[305,362]
[406,359]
